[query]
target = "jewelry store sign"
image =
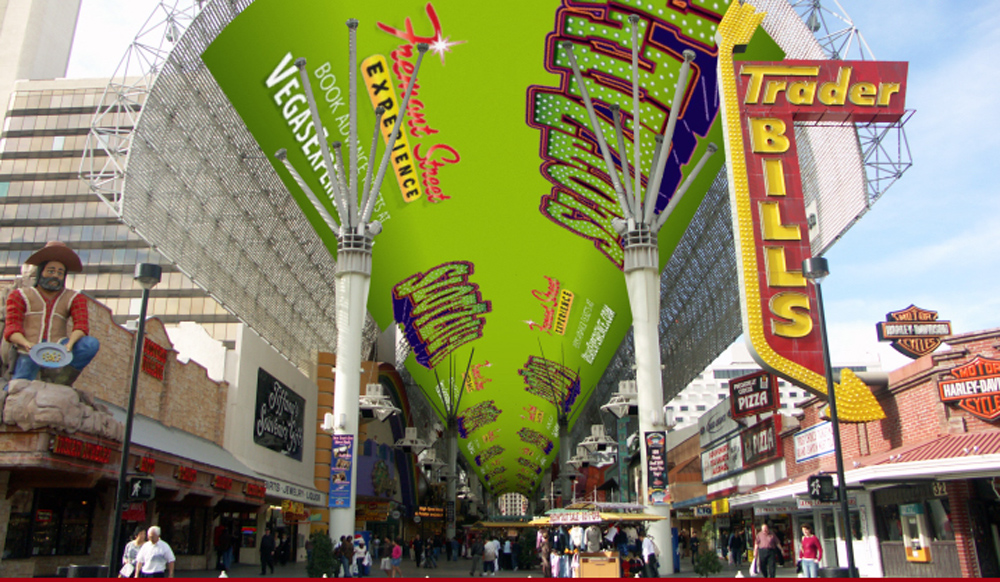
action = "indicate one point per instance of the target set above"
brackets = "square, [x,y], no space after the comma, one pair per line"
[279,418]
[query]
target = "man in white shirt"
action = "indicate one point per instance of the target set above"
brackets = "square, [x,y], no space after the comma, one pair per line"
[155,558]
[650,567]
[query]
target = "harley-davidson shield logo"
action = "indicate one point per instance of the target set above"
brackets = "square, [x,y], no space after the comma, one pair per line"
[976,388]
[914,332]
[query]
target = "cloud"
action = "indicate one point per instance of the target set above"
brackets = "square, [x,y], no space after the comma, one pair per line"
[104,31]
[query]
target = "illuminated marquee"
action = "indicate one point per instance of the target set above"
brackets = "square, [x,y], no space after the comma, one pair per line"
[760,103]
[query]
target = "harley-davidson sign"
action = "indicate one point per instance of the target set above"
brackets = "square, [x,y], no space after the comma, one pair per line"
[914,332]
[976,388]
[753,394]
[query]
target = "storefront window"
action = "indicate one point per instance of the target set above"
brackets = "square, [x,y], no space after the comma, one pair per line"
[19,526]
[183,528]
[50,522]
[941,519]
[888,524]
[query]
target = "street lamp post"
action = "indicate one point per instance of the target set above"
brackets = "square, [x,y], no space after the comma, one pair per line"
[816,269]
[147,275]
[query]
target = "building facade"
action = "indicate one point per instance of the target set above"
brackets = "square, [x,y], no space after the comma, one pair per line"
[712,385]
[923,483]
[59,483]
[43,198]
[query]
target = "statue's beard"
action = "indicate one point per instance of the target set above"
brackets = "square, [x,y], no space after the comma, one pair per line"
[51,283]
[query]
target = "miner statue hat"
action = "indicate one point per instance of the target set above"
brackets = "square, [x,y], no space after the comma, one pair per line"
[57,251]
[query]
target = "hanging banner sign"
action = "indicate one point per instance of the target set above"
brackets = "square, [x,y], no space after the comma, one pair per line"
[975,389]
[656,462]
[341,470]
[762,442]
[913,332]
[279,418]
[753,394]
[814,442]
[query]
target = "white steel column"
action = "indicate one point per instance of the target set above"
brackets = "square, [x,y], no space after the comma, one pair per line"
[451,451]
[355,232]
[353,280]
[638,227]
[642,279]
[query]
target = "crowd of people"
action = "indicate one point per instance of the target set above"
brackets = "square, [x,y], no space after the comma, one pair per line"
[556,549]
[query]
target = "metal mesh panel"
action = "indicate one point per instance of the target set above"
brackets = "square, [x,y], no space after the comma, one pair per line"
[199,188]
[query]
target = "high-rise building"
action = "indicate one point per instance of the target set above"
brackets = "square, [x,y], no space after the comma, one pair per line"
[35,40]
[712,385]
[513,504]
[46,119]
[42,198]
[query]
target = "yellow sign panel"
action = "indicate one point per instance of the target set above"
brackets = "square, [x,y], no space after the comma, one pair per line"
[378,81]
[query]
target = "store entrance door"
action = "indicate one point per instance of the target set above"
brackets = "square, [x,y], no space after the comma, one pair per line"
[986,533]
[826,529]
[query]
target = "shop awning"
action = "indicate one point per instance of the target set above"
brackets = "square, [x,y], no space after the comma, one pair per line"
[595,517]
[150,434]
[700,500]
[502,524]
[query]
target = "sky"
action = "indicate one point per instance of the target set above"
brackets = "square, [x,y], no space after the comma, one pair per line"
[932,240]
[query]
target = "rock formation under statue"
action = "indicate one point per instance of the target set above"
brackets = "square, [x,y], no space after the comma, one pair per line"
[35,404]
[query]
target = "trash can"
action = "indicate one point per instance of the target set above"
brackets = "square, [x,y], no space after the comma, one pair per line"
[75,571]
[834,573]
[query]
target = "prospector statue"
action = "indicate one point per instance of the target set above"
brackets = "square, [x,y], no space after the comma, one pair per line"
[48,312]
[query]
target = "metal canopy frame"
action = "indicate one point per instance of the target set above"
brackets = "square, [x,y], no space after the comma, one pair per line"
[198,188]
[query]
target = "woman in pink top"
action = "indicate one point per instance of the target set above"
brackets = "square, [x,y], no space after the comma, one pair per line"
[397,558]
[811,552]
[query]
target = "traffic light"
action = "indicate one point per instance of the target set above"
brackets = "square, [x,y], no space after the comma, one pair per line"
[821,488]
[141,488]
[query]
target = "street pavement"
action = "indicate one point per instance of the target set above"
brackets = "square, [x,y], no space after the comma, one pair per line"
[459,569]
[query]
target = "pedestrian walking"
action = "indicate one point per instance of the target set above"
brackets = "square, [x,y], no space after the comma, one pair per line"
[155,558]
[267,547]
[811,552]
[766,549]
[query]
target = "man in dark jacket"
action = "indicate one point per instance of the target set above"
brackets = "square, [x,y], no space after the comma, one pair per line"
[266,552]
[346,555]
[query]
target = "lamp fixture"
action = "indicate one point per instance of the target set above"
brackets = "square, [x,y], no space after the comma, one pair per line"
[411,443]
[373,404]
[625,402]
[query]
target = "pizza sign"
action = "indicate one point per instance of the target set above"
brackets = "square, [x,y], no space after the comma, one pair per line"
[753,394]
[975,388]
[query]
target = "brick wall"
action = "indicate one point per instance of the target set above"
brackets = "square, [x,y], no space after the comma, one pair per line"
[958,496]
[186,398]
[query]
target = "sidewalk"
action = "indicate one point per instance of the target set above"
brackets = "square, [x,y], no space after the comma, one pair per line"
[459,569]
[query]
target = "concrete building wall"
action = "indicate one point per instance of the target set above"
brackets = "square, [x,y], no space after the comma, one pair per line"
[252,353]
[35,40]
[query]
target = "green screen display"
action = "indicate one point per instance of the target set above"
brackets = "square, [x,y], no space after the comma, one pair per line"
[497,207]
